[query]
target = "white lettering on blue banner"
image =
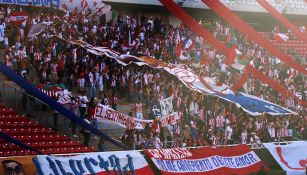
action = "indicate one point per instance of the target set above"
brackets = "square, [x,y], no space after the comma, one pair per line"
[207,164]
[46,3]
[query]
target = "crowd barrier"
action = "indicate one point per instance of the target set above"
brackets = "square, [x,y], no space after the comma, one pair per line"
[234,159]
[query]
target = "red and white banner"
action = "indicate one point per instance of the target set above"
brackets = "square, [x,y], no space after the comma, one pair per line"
[292,157]
[17,18]
[103,163]
[190,79]
[104,112]
[63,96]
[193,81]
[238,160]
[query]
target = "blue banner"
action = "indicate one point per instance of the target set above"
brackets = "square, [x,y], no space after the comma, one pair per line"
[254,105]
[45,3]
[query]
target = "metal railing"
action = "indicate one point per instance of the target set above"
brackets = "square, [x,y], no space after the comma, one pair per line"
[12,96]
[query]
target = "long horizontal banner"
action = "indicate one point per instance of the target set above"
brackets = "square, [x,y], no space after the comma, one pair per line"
[104,112]
[292,157]
[239,160]
[106,163]
[39,3]
[87,6]
[205,85]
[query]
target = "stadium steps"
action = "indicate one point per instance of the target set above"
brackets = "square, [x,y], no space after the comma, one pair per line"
[33,134]
[299,46]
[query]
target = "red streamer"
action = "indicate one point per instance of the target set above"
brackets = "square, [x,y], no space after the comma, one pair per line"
[194,26]
[283,20]
[241,82]
[251,33]
[272,83]
[232,56]
[198,29]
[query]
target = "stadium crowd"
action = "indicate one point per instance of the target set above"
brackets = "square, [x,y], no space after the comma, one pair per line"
[205,120]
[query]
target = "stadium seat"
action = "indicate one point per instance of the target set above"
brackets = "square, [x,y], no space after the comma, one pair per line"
[34,135]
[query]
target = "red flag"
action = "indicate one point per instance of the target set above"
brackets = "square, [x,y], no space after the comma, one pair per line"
[231,56]
[179,49]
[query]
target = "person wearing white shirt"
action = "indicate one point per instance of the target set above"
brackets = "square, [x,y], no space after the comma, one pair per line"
[6,42]
[142,36]
[83,102]
[91,77]
[74,53]
[228,133]
[146,78]
[156,141]
[150,77]
[223,67]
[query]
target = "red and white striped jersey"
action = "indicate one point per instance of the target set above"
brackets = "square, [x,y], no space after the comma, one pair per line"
[138,107]
[212,122]
[220,121]
[37,56]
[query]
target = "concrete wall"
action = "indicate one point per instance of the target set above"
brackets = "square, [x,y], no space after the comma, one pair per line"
[287,7]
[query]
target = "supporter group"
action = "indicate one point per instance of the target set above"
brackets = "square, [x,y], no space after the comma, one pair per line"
[206,121]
